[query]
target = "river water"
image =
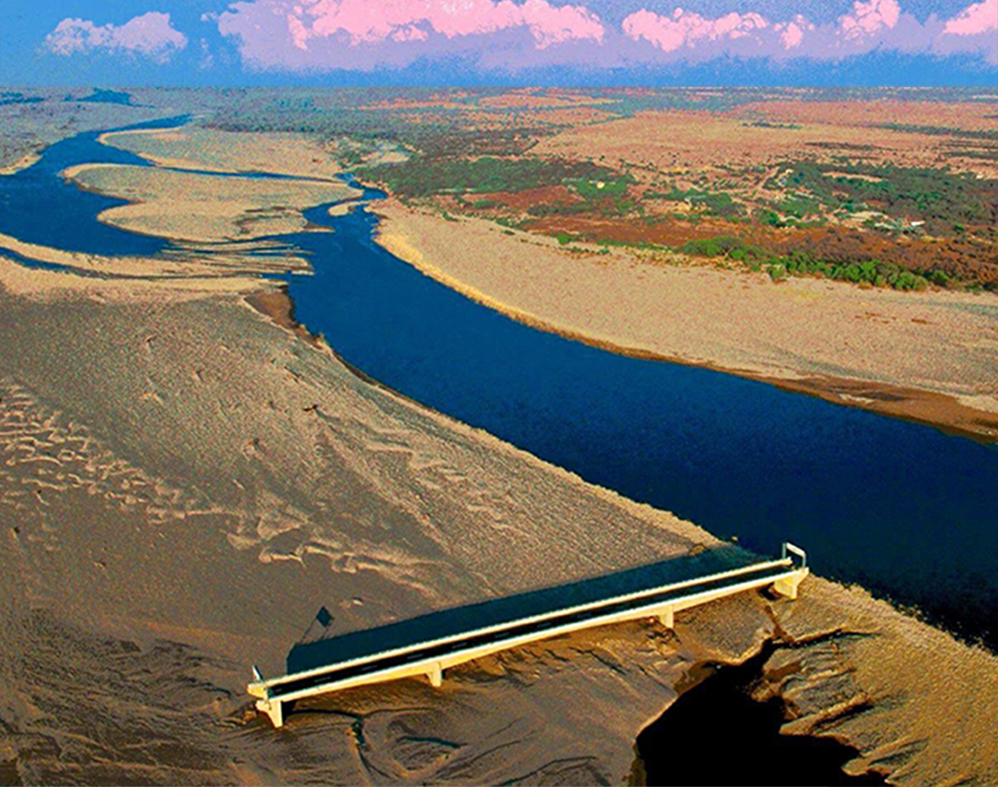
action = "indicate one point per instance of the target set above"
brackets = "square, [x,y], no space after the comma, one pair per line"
[902,509]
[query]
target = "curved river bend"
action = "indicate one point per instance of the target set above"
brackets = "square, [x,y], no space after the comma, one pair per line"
[900,508]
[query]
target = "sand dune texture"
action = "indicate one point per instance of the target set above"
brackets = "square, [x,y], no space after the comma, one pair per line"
[184,484]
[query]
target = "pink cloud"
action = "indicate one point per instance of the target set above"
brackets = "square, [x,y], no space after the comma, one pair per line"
[868,25]
[974,19]
[307,23]
[150,34]
[670,33]
[792,32]
[362,35]
[870,18]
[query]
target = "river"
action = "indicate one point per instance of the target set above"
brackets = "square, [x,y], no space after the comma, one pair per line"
[900,508]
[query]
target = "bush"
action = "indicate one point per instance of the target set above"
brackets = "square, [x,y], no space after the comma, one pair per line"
[939,278]
[801,263]
[422,176]
[716,203]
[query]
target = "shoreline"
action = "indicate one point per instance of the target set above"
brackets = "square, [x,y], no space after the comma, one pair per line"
[929,408]
[278,306]
[767,634]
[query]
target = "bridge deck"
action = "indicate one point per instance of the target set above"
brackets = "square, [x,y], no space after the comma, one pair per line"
[378,654]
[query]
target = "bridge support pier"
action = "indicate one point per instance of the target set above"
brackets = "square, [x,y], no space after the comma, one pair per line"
[436,676]
[788,585]
[667,617]
[274,709]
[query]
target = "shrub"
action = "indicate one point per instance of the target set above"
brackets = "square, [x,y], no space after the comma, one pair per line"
[801,263]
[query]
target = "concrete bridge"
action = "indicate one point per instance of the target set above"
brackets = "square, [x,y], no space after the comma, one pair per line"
[433,643]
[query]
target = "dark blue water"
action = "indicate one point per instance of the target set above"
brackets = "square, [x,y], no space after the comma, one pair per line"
[38,206]
[902,509]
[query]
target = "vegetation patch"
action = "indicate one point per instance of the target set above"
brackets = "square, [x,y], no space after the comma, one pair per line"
[714,203]
[800,263]
[941,131]
[939,197]
[423,176]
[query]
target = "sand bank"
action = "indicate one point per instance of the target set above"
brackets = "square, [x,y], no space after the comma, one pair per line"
[300,155]
[930,357]
[23,162]
[204,208]
[183,262]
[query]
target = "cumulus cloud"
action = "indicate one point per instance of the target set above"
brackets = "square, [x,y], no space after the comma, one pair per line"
[866,26]
[974,20]
[151,35]
[669,33]
[792,32]
[303,35]
[268,29]
[870,18]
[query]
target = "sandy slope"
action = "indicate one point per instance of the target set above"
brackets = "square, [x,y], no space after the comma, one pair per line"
[183,475]
[930,356]
[183,484]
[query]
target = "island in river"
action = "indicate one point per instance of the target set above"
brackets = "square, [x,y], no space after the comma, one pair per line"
[186,481]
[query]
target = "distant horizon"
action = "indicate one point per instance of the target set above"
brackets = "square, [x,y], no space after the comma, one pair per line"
[498,86]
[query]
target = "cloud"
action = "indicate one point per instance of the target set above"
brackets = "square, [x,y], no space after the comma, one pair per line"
[151,35]
[792,32]
[302,33]
[207,59]
[670,33]
[974,20]
[867,26]
[868,19]
[364,35]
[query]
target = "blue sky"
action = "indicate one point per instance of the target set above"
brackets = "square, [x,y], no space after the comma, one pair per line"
[331,42]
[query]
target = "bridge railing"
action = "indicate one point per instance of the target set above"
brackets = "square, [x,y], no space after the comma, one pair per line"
[792,549]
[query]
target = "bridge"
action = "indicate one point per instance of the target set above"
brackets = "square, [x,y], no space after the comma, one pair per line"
[430,644]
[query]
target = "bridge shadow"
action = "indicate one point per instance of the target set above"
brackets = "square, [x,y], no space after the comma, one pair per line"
[318,649]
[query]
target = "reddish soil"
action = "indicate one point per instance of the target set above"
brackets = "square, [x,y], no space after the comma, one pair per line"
[965,259]
[521,200]
[668,232]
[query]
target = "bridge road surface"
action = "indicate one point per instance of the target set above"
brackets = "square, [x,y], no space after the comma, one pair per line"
[429,644]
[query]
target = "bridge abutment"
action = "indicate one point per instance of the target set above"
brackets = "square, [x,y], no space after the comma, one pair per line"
[787,586]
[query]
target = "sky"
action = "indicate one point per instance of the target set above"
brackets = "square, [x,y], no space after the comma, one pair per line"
[504,42]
